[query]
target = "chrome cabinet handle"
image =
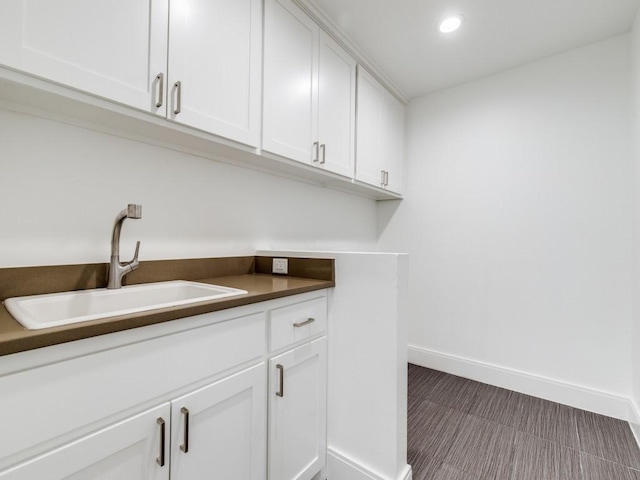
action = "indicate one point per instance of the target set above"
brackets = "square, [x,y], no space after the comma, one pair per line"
[280,392]
[384,178]
[306,322]
[160,459]
[185,446]
[178,108]
[160,78]
[315,151]
[324,153]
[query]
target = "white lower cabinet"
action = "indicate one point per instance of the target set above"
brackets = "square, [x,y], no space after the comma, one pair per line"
[219,430]
[298,389]
[297,412]
[131,449]
[216,431]
[207,377]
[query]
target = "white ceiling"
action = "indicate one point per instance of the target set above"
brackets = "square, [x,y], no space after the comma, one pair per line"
[401,38]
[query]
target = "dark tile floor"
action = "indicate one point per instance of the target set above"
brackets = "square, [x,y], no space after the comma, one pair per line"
[464,430]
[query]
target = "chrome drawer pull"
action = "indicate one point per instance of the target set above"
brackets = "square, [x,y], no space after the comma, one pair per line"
[306,322]
[160,459]
[160,78]
[280,392]
[178,86]
[185,446]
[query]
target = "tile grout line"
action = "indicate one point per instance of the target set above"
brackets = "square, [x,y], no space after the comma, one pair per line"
[608,461]
[512,460]
[454,435]
[579,447]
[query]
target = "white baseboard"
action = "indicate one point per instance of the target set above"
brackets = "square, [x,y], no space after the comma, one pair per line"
[565,393]
[634,421]
[341,467]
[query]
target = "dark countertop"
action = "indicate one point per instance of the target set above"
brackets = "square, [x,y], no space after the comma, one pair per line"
[15,338]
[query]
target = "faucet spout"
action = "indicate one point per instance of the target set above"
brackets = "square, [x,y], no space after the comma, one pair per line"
[118,269]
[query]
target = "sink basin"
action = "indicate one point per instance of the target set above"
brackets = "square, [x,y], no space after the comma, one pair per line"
[55,309]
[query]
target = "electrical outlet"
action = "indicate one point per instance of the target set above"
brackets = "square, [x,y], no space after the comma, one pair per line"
[280,265]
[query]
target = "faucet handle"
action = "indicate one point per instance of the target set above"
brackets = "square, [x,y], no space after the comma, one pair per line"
[133,264]
[134,211]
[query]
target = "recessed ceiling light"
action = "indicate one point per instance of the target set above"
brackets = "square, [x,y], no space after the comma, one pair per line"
[450,24]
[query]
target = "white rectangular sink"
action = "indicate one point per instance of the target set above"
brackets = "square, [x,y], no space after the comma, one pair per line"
[55,309]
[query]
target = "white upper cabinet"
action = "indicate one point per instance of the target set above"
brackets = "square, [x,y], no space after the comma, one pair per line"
[309,91]
[113,49]
[393,146]
[379,136]
[261,73]
[118,50]
[290,81]
[336,107]
[215,66]
[369,133]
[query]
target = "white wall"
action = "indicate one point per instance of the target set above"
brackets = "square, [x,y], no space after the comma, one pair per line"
[518,223]
[635,64]
[61,187]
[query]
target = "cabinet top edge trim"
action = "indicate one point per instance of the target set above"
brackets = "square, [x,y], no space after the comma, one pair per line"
[338,35]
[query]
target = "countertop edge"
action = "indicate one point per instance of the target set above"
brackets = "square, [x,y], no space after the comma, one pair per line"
[34,339]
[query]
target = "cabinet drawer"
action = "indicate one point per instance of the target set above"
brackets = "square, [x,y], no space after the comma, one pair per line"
[295,323]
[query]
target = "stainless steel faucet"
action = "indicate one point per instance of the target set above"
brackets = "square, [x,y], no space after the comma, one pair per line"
[118,269]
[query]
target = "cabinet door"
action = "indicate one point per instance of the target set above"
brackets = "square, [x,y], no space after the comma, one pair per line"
[215,54]
[129,449]
[220,431]
[370,107]
[290,81]
[336,107]
[113,49]
[393,142]
[297,412]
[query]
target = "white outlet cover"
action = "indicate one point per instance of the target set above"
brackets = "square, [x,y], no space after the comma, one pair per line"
[280,265]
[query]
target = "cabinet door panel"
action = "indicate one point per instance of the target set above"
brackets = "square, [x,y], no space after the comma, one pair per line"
[290,81]
[128,449]
[393,142]
[226,429]
[113,49]
[336,109]
[297,419]
[368,136]
[214,51]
